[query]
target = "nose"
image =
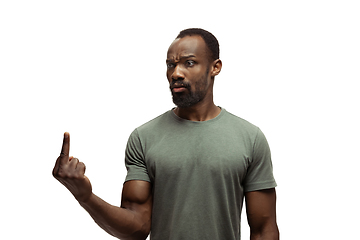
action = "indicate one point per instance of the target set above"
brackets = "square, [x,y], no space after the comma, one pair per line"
[177,73]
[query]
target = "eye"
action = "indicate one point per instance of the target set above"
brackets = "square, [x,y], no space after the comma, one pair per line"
[190,63]
[170,65]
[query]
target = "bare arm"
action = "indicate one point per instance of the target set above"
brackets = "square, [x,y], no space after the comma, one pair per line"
[261,214]
[131,221]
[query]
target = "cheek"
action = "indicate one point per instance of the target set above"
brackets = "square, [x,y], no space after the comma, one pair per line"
[197,71]
[203,81]
[168,75]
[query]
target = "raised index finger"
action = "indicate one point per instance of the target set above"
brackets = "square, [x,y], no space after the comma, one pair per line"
[64,155]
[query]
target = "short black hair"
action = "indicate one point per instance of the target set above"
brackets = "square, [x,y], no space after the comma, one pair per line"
[210,40]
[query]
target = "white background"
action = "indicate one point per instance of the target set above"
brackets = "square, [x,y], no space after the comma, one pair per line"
[97,70]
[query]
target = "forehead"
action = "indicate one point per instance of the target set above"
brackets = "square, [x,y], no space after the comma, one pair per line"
[189,45]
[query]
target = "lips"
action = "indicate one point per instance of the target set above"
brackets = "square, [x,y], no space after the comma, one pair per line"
[179,87]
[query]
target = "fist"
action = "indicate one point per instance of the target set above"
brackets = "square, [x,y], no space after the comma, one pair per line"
[71,173]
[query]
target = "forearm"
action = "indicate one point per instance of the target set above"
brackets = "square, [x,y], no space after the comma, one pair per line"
[131,221]
[118,222]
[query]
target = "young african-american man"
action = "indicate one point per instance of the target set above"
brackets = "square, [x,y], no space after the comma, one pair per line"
[189,169]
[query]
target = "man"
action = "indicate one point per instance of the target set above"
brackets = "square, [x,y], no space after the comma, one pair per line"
[190,168]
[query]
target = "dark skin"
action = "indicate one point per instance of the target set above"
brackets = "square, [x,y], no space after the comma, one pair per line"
[261,214]
[131,221]
[188,62]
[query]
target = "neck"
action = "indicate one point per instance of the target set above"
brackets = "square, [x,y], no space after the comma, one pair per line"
[198,112]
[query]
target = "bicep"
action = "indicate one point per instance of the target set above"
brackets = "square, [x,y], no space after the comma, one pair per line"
[136,192]
[137,197]
[261,209]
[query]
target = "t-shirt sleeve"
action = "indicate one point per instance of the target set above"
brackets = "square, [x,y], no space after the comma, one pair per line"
[134,159]
[260,171]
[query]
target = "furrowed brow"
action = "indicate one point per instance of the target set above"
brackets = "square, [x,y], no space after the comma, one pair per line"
[182,57]
[188,56]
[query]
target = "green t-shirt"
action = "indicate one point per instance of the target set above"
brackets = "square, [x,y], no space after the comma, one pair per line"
[199,172]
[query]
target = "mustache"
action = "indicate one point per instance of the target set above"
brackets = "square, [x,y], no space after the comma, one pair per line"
[179,84]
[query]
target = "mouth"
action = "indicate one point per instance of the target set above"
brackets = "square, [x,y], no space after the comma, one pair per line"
[178,87]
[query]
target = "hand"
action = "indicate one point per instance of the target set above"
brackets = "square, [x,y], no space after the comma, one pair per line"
[71,173]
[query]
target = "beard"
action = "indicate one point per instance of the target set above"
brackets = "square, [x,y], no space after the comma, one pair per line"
[191,97]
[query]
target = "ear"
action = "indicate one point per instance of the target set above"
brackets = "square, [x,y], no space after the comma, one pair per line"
[216,67]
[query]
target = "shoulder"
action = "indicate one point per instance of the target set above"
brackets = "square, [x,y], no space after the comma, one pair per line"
[239,123]
[155,124]
[147,130]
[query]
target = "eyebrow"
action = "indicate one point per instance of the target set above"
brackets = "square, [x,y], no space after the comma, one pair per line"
[182,57]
